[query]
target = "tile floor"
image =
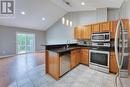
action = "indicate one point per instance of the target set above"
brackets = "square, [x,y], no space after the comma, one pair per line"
[81,76]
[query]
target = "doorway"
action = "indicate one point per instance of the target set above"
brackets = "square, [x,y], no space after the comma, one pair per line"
[25,43]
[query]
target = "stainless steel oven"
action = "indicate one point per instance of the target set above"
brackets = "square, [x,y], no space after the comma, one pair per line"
[99,60]
[100,37]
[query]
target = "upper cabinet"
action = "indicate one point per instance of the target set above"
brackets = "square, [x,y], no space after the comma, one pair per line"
[113,25]
[126,23]
[86,32]
[78,33]
[82,32]
[95,28]
[105,27]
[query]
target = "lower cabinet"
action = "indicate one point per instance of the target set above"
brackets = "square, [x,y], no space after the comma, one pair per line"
[75,57]
[84,59]
[53,64]
[113,63]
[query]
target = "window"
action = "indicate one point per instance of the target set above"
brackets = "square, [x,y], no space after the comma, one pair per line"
[25,43]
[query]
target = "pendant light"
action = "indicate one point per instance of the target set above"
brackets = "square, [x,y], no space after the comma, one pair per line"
[67,21]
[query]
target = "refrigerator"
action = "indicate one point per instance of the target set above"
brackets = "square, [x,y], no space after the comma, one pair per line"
[121,52]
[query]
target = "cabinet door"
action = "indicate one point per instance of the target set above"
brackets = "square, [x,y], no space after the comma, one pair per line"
[53,65]
[105,27]
[56,66]
[84,59]
[113,25]
[78,33]
[113,63]
[50,63]
[113,28]
[95,28]
[87,32]
[75,58]
[126,23]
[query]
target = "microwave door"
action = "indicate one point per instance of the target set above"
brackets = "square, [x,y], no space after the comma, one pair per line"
[119,49]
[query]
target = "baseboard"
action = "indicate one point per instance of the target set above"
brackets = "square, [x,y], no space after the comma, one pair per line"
[6,56]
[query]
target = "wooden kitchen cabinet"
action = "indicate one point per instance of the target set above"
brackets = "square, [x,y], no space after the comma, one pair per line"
[126,23]
[78,33]
[82,32]
[84,53]
[105,27]
[113,63]
[95,28]
[86,34]
[53,64]
[113,26]
[75,57]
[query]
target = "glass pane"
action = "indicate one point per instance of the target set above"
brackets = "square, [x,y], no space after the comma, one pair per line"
[22,49]
[25,43]
[29,40]
[21,39]
[102,58]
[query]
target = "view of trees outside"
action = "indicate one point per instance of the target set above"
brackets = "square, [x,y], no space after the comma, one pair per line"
[25,43]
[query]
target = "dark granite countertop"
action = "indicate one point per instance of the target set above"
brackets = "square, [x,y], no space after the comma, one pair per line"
[60,50]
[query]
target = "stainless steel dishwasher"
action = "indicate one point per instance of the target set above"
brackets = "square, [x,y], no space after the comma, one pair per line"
[64,62]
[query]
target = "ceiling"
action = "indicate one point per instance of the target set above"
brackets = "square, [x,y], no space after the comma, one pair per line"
[89,4]
[34,11]
[51,10]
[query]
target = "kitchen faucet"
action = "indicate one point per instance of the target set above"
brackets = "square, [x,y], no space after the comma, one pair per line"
[67,44]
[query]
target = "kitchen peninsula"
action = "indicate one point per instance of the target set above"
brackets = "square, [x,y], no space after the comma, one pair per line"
[60,60]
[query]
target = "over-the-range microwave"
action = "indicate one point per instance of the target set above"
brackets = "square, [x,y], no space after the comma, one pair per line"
[100,37]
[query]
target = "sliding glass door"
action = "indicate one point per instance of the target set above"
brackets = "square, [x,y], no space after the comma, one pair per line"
[25,43]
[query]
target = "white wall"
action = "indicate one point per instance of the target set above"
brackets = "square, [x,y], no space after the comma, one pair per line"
[8,39]
[113,14]
[101,14]
[59,33]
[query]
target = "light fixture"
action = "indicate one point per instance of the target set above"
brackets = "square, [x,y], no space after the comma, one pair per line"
[82,3]
[63,20]
[71,24]
[67,22]
[43,19]
[23,13]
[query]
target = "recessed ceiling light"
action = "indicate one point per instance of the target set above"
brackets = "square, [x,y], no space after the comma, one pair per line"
[83,3]
[43,19]
[23,13]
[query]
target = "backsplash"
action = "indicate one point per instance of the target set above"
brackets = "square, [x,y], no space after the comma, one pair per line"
[84,42]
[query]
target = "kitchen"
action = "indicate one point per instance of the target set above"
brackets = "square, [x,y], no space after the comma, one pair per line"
[65,43]
[96,49]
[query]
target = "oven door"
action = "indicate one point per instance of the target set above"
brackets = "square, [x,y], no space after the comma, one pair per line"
[99,58]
